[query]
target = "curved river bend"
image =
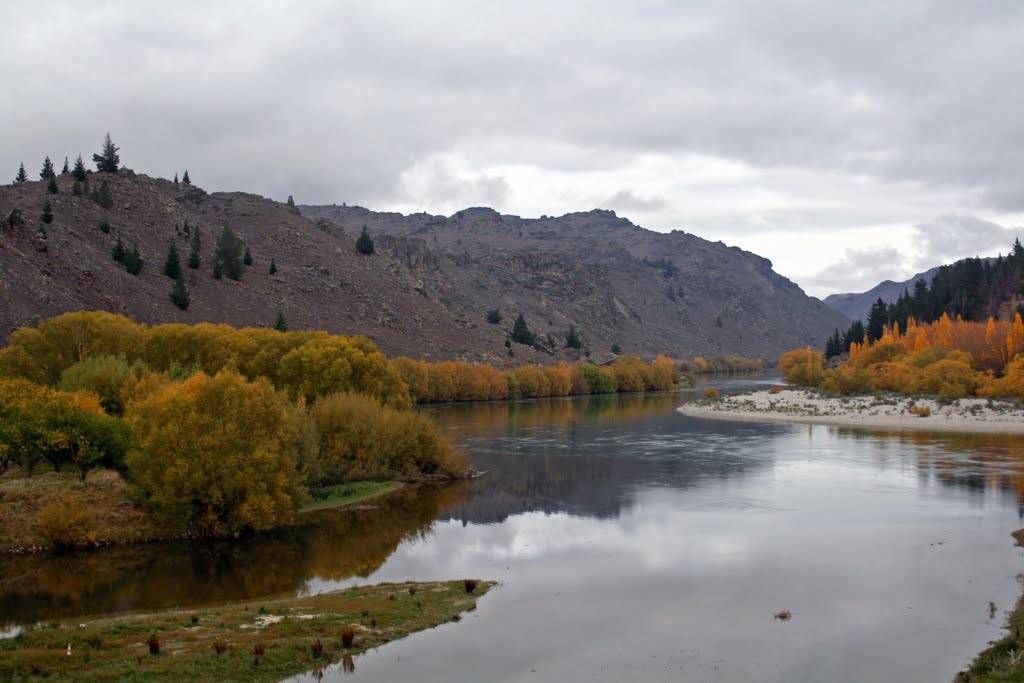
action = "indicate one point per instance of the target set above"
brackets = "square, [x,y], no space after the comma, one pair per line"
[634,543]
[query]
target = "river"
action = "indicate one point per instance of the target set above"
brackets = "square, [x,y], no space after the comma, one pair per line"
[634,543]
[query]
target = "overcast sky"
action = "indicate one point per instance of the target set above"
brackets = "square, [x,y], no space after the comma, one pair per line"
[848,142]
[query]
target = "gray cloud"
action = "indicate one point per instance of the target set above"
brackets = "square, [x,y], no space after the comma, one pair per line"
[864,268]
[951,237]
[343,101]
[626,201]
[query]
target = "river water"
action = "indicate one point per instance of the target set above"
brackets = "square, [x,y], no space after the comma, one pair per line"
[634,543]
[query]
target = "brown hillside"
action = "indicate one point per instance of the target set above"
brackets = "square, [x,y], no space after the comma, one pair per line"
[424,293]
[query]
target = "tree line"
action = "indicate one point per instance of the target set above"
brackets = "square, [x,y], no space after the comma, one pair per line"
[972,289]
[951,358]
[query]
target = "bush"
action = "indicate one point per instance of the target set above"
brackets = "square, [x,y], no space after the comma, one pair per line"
[711,393]
[362,439]
[802,367]
[67,523]
[216,454]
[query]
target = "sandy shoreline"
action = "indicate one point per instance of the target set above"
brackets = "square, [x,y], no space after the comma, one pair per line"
[889,412]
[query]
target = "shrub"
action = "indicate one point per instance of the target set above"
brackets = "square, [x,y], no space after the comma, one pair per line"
[217,454]
[347,637]
[711,393]
[802,367]
[493,316]
[470,585]
[921,411]
[67,523]
[362,439]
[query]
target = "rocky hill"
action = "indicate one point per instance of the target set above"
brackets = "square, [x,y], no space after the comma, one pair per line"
[646,291]
[856,305]
[425,291]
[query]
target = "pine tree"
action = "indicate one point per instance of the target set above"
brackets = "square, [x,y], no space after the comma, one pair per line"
[280,325]
[76,189]
[273,267]
[493,316]
[172,266]
[22,176]
[47,171]
[877,319]
[185,179]
[51,186]
[179,293]
[616,349]
[291,201]
[247,259]
[107,161]
[194,254]
[133,260]
[229,253]
[175,178]
[103,195]
[66,169]
[364,245]
[218,269]
[572,339]
[521,332]
[47,215]
[78,173]
[119,252]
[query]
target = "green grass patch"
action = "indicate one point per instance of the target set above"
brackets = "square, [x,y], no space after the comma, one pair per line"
[260,640]
[348,494]
[1004,659]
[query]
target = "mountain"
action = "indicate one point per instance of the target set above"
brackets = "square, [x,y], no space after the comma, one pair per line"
[856,306]
[426,290]
[646,291]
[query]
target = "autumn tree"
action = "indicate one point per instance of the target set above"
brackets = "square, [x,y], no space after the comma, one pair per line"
[107,161]
[216,453]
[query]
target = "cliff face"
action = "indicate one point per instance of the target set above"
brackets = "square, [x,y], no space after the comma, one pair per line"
[423,293]
[618,283]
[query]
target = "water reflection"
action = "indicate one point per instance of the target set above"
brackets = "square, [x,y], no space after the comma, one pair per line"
[686,530]
[328,544]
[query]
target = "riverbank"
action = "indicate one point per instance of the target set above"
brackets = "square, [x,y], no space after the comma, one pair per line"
[1004,659]
[885,411]
[114,517]
[261,640]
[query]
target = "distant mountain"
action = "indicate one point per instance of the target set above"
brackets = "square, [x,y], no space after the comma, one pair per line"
[856,306]
[618,283]
[426,290]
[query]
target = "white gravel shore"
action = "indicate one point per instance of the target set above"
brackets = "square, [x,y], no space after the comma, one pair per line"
[797,405]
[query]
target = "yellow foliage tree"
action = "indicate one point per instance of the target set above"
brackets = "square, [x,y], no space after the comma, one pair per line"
[217,454]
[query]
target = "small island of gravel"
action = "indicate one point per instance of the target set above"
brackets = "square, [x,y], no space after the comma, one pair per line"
[888,411]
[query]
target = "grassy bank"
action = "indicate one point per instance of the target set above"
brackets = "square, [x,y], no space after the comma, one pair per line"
[115,518]
[348,494]
[261,640]
[1004,659]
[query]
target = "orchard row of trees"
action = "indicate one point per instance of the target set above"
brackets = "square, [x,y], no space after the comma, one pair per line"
[948,358]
